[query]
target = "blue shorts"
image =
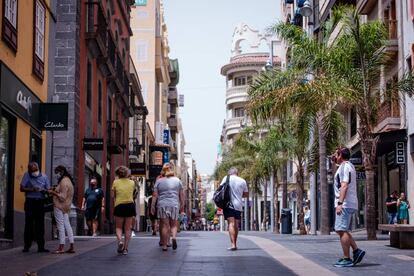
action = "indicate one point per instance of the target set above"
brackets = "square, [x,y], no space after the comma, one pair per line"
[343,220]
[231,213]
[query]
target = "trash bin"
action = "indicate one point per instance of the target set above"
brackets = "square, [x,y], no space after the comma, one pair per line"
[286,220]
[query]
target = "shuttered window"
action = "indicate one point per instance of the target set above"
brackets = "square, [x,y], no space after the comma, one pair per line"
[9,28]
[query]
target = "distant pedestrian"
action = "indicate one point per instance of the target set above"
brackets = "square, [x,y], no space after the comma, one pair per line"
[238,190]
[153,217]
[392,208]
[124,209]
[307,219]
[34,184]
[185,222]
[403,206]
[169,199]
[346,204]
[62,199]
[93,204]
[204,223]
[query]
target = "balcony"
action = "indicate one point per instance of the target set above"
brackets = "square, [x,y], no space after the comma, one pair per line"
[392,30]
[173,96]
[388,116]
[106,62]
[366,6]
[233,126]
[134,148]
[237,94]
[114,144]
[96,29]
[173,124]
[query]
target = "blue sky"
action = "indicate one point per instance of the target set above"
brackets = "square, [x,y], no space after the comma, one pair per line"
[200,34]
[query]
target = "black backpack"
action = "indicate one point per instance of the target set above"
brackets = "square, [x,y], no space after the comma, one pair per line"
[222,195]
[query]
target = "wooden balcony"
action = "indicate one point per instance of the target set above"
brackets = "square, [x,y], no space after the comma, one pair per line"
[173,123]
[366,6]
[114,138]
[388,116]
[173,96]
[96,29]
[106,62]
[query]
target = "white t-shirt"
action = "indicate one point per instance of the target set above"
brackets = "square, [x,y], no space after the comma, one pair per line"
[238,186]
[345,171]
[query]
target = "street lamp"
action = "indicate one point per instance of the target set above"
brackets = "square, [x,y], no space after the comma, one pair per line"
[306,10]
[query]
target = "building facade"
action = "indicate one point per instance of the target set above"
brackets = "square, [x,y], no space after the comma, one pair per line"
[25,34]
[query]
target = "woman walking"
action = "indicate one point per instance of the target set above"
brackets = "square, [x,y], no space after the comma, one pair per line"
[169,198]
[62,200]
[124,211]
[403,206]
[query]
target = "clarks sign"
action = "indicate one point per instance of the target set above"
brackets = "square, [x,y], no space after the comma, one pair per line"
[53,116]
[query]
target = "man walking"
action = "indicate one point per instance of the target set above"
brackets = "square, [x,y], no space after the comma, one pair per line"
[238,190]
[94,204]
[34,184]
[346,204]
[392,209]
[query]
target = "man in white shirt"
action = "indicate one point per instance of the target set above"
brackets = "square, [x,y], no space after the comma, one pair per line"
[346,204]
[238,190]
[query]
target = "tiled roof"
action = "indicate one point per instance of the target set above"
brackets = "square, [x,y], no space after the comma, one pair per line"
[248,60]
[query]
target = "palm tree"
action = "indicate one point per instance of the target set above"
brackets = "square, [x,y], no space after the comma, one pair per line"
[308,86]
[364,54]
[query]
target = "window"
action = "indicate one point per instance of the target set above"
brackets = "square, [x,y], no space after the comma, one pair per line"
[89,85]
[239,81]
[99,102]
[238,112]
[39,40]
[142,51]
[35,149]
[9,27]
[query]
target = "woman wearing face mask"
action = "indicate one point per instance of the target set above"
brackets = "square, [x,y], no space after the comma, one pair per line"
[34,184]
[62,199]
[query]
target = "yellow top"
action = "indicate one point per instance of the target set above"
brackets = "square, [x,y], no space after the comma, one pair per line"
[124,191]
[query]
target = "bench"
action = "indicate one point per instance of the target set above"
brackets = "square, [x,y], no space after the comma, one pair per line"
[401,235]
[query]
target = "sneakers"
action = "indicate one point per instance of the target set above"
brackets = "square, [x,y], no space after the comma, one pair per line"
[358,256]
[344,262]
[133,234]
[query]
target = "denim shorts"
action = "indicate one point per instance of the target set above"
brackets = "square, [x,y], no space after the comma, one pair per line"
[343,220]
[231,213]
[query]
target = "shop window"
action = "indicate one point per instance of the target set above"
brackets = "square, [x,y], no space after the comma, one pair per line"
[39,40]
[89,85]
[238,112]
[35,149]
[99,102]
[9,26]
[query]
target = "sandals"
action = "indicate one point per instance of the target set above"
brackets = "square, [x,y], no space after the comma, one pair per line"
[70,251]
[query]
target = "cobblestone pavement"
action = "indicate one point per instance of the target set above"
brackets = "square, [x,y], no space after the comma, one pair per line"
[204,253]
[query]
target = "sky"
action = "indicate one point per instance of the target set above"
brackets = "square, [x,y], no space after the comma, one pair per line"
[200,34]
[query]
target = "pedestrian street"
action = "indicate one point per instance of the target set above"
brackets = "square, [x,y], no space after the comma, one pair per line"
[205,253]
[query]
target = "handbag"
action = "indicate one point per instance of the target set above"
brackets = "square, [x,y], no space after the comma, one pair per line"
[48,203]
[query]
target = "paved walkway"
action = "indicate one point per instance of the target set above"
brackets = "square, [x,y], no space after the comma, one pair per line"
[204,253]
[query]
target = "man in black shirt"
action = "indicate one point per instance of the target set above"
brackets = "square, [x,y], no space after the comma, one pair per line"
[392,209]
[93,203]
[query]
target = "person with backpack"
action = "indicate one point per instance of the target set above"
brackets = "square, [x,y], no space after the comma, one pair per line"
[346,204]
[237,190]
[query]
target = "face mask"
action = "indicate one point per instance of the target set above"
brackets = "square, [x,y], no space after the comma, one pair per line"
[58,175]
[35,174]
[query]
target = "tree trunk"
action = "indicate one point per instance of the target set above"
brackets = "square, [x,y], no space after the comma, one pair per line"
[368,146]
[325,226]
[256,212]
[264,219]
[284,191]
[300,190]
[276,200]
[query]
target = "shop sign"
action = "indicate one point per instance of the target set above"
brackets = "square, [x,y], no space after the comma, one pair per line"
[98,169]
[138,169]
[53,116]
[18,97]
[93,144]
[360,175]
[166,137]
[181,100]
[166,157]
[140,2]
[400,153]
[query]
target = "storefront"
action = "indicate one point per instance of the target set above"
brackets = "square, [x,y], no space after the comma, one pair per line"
[20,143]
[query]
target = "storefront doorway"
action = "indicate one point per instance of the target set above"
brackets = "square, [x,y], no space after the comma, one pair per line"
[7,135]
